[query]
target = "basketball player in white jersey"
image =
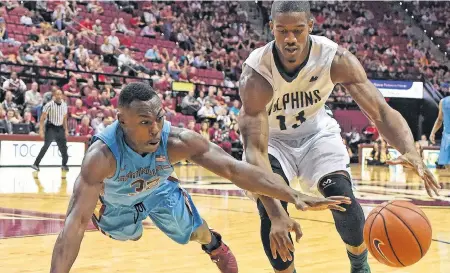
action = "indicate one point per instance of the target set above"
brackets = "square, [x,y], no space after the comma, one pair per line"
[284,86]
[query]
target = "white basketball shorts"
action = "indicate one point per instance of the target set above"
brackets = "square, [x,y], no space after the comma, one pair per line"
[311,158]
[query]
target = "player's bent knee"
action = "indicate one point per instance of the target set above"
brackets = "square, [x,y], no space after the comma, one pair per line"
[349,224]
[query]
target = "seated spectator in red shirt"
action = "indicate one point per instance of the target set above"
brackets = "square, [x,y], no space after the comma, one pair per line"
[86,24]
[371,132]
[234,133]
[93,100]
[84,129]
[78,111]
[70,89]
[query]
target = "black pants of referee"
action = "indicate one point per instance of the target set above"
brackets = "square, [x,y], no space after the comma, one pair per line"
[54,133]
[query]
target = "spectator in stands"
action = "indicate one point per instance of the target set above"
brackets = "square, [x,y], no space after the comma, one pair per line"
[220,138]
[371,132]
[204,130]
[102,126]
[114,40]
[81,55]
[93,101]
[168,105]
[206,111]
[70,89]
[8,102]
[201,98]
[33,100]
[26,19]
[424,141]
[191,125]
[58,17]
[148,31]
[152,55]
[353,138]
[94,7]
[108,52]
[3,31]
[235,108]
[189,105]
[84,129]
[14,84]
[125,61]
[121,27]
[28,119]
[11,116]
[99,116]
[78,111]
[97,28]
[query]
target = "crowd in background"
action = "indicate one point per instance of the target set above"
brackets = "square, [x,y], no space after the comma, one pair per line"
[69,44]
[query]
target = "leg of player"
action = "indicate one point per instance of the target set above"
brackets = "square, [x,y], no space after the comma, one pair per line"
[349,224]
[212,244]
[179,219]
[279,266]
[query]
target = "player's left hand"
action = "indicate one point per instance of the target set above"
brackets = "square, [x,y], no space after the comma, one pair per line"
[412,160]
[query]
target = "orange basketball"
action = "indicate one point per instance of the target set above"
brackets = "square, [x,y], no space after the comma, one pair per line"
[397,233]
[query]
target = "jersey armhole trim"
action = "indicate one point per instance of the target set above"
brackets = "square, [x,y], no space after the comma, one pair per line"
[261,74]
[117,171]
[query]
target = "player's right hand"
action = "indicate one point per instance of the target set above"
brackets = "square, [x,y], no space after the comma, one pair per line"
[306,202]
[280,244]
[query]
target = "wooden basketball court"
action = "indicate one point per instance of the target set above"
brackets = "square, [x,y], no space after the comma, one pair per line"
[32,212]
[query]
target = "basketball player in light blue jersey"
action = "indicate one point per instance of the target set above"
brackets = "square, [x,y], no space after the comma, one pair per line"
[443,117]
[129,167]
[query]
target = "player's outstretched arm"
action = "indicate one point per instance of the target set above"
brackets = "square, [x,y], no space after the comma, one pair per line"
[186,144]
[347,70]
[256,92]
[96,166]
[437,124]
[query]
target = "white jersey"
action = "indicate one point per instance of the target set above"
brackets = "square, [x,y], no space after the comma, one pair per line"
[297,109]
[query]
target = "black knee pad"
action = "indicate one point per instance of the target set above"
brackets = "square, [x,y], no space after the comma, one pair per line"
[349,224]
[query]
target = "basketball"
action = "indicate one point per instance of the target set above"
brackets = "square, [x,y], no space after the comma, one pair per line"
[397,233]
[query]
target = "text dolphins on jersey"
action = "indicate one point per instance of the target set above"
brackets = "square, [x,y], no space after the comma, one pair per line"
[298,99]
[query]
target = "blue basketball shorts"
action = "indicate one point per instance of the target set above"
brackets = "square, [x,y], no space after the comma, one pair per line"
[174,214]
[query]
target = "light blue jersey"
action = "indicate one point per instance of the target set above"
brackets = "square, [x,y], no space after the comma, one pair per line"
[142,187]
[136,176]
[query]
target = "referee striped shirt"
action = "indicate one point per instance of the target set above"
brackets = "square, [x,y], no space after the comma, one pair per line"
[55,112]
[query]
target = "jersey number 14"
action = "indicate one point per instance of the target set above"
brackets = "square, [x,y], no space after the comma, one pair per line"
[300,117]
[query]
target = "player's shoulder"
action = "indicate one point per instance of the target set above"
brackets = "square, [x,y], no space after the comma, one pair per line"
[324,41]
[262,50]
[99,157]
[183,143]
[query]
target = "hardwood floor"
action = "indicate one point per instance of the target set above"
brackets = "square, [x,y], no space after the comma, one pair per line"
[32,213]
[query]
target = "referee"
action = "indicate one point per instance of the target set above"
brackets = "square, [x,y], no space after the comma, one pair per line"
[56,129]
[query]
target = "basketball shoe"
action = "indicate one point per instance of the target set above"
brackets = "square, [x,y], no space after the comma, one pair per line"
[222,256]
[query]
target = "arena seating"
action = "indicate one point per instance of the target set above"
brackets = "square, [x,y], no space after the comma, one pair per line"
[204,43]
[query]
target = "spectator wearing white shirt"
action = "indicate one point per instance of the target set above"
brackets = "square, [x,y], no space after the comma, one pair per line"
[125,60]
[121,27]
[206,111]
[33,99]
[113,40]
[14,84]
[26,19]
[81,53]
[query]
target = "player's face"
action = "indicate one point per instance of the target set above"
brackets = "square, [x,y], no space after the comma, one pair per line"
[291,31]
[142,122]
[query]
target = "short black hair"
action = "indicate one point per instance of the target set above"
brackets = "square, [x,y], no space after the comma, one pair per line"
[136,91]
[290,6]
